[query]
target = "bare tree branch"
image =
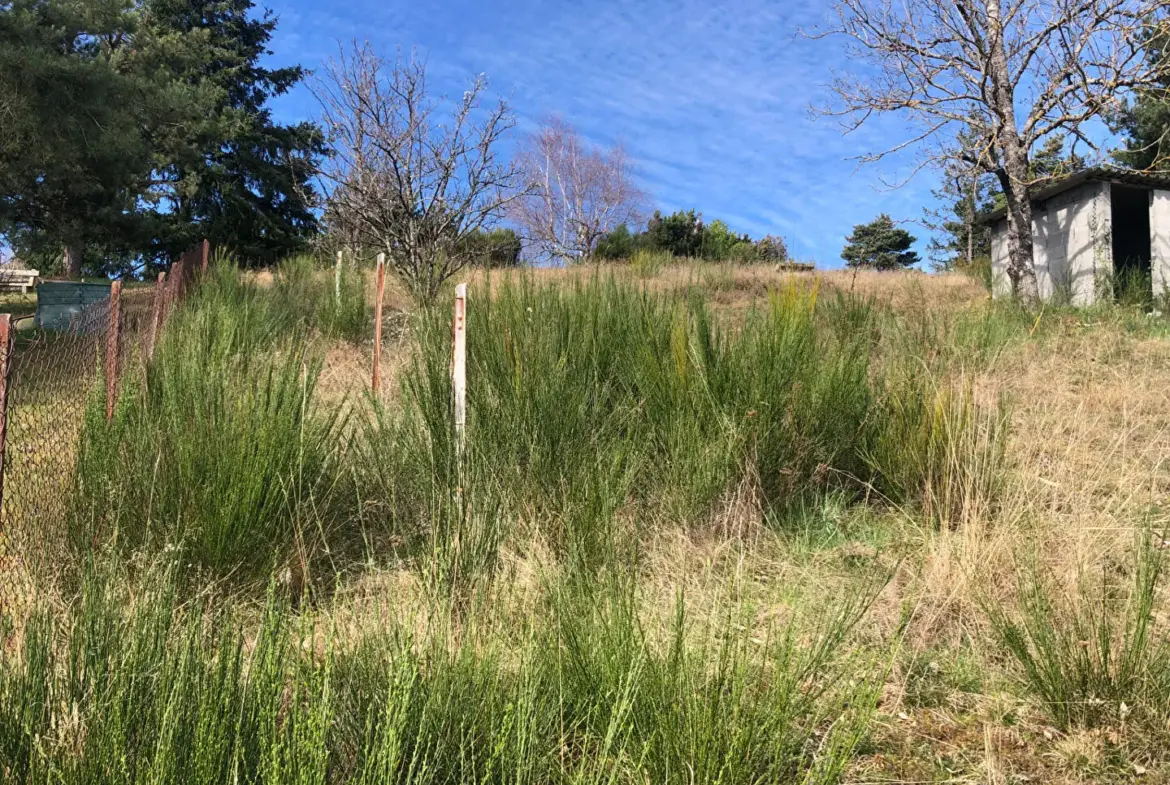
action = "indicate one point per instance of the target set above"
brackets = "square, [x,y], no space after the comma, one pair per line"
[411,176]
[967,67]
[578,193]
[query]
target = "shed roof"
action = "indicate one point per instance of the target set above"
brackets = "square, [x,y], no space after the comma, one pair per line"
[1106,174]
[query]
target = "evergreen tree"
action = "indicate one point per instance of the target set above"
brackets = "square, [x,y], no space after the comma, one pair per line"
[130,130]
[960,241]
[680,233]
[1051,160]
[718,240]
[233,175]
[1144,121]
[879,245]
[618,244]
[498,247]
[74,114]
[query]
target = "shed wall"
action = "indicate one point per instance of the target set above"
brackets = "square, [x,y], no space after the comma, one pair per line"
[1071,235]
[1160,241]
[1001,285]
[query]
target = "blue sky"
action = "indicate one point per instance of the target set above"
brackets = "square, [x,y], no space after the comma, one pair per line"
[711,99]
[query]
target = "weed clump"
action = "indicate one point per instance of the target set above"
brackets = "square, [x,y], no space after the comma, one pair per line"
[1095,657]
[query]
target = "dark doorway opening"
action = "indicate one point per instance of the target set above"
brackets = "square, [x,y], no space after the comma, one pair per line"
[1131,244]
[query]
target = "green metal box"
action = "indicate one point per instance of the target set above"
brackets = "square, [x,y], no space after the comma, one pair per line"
[60,304]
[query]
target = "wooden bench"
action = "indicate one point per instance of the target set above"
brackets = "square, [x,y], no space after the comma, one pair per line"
[13,279]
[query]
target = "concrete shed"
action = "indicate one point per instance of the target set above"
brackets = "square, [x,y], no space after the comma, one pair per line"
[1089,229]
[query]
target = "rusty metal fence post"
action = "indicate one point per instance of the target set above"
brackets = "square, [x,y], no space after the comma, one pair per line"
[112,345]
[377,380]
[6,343]
[174,288]
[156,307]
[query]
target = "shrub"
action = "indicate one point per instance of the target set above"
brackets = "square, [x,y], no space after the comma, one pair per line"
[494,249]
[940,449]
[979,269]
[771,249]
[647,263]
[331,300]
[744,253]
[589,398]
[618,244]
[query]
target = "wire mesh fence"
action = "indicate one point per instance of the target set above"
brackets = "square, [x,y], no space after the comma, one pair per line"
[51,379]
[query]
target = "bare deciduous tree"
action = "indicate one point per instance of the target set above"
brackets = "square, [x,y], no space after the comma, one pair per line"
[407,178]
[579,193]
[1008,72]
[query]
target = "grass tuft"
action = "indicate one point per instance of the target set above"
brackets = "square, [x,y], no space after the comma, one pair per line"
[1094,657]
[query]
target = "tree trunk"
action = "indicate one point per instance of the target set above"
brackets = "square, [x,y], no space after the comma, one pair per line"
[1013,175]
[71,261]
[970,220]
[1019,235]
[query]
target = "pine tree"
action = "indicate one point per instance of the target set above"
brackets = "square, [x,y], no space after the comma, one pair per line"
[960,241]
[130,130]
[74,114]
[1144,121]
[233,174]
[880,245]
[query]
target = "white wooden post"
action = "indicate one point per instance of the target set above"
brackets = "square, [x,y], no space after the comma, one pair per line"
[337,280]
[459,369]
[377,380]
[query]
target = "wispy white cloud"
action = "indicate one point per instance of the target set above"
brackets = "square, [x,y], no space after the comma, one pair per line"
[711,100]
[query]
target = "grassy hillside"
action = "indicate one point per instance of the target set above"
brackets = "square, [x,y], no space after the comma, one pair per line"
[713,524]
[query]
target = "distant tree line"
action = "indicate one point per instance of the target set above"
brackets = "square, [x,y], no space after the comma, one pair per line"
[685,234]
[130,130]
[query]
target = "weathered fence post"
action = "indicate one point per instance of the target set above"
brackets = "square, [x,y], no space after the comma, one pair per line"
[175,285]
[459,369]
[205,256]
[160,291]
[337,280]
[112,345]
[6,344]
[377,382]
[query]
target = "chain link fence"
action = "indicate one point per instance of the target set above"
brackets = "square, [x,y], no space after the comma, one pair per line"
[51,379]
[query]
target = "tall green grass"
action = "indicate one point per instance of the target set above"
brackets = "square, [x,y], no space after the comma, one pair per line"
[218,450]
[595,400]
[334,305]
[945,452]
[128,686]
[597,408]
